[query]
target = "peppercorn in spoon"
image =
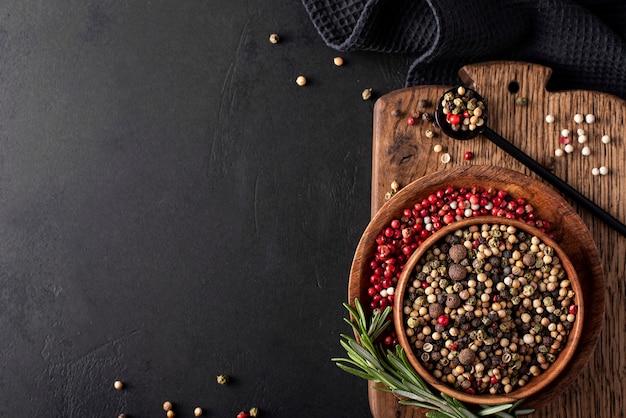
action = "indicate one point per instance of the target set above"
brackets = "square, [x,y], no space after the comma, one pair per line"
[462,114]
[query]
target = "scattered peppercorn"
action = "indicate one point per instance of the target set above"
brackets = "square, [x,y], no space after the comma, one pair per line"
[521,101]
[549,118]
[429,133]
[197,412]
[254,412]
[222,379]
[301,80]
[410,121]
[423,103]
[167,406]
[338,61]
[274,38]
[171,413]
[243,414]
[468,155]
[118,385]
[366,94]
[445,158]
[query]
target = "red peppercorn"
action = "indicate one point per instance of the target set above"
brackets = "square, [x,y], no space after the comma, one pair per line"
[410,121]
[453,119]
[468,155]
[573,309]
[443,320]
[493,380]
[243,414]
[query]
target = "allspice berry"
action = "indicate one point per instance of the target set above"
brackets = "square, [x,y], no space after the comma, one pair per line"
[434,310]
[466,356]
[457,252]
[453,301]
[167,406]
[456,272]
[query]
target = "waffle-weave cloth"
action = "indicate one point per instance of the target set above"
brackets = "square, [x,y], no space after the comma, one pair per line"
[583,41]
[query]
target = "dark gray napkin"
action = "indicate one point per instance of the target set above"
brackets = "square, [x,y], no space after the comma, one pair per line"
[583,42]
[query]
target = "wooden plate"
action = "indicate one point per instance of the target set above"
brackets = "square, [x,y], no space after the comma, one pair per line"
[570,233]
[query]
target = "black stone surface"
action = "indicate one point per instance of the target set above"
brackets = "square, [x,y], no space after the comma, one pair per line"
[173,207]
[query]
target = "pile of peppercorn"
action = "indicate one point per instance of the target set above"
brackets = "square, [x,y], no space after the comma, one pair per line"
[487,308]
[463,110]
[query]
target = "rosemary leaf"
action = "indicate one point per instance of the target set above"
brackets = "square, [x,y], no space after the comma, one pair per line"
[354,371]
[467,413]
[438,414]
[365,354]
[410,395]
[526,411]
[416,403]
[490,410]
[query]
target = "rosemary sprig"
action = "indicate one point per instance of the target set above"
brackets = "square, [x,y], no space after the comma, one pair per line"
[368,361]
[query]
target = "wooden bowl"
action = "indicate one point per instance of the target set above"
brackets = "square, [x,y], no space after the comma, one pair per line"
[535,384]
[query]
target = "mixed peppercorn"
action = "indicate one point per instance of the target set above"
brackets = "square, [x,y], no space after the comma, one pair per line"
[487,308]
[401,237]
[463,111]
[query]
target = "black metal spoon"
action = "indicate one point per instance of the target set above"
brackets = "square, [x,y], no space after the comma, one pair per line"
[483,129]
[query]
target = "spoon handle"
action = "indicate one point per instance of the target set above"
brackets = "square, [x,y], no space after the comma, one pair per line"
[554,180]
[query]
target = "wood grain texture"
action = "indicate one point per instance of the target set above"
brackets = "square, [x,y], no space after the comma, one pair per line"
[595,382]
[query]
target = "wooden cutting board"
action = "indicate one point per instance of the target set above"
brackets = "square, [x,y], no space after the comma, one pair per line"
[518,104]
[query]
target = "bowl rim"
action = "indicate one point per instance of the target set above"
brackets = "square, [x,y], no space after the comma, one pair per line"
[534,385]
